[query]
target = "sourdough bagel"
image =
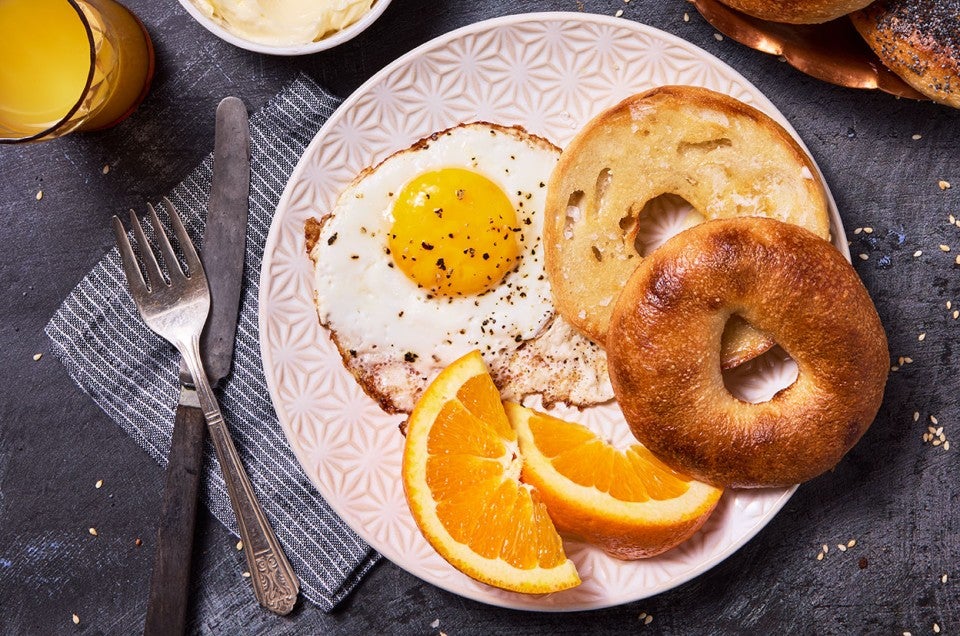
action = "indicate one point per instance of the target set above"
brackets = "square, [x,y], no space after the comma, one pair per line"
[797,11]
[919,40]
[722,156]
[664,343]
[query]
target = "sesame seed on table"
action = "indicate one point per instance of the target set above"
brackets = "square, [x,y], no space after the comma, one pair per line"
[872,546]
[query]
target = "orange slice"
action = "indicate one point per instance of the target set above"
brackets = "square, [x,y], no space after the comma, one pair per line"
[628,503]
[461,476]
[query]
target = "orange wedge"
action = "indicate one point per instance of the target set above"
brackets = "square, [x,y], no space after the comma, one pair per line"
[461,476]
[628,503]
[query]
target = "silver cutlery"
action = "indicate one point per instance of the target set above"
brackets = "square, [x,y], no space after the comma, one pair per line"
[222,255]
[175,307]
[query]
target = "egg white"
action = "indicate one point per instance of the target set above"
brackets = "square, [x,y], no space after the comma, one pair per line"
[395,336]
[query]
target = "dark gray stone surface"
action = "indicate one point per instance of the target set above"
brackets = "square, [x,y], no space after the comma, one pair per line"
[895,495]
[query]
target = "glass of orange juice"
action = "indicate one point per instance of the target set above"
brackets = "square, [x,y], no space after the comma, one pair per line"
[69,65]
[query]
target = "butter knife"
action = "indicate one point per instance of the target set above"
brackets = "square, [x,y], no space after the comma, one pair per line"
[222,253]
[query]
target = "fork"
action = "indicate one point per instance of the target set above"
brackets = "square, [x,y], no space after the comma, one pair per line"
[176,310]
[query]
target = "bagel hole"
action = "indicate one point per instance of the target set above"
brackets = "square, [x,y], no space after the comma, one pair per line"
[574,213]
[661,218]
[760,379]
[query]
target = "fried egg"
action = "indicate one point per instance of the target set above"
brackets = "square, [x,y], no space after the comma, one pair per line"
[437,251]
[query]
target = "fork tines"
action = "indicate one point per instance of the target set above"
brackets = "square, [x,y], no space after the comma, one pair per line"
[155,277]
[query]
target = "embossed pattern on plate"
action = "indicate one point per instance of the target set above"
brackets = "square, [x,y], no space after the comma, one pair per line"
[549,72]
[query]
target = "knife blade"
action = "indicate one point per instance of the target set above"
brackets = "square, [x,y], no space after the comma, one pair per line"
[224,239]
[222,253]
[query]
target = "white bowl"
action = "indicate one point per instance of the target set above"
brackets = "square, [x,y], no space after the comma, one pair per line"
[295,49]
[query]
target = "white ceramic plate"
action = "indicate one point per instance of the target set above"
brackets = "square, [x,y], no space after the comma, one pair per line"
[550,73]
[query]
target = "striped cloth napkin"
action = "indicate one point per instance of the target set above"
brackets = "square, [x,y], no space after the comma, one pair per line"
[132,374]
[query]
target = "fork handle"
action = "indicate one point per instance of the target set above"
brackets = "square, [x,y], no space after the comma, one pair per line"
[274,583]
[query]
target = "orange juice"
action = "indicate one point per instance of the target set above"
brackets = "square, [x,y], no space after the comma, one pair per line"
[45,63]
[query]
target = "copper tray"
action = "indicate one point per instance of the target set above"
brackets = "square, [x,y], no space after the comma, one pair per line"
[833,52]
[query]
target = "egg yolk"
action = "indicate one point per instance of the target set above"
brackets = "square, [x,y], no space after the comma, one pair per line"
[454,232]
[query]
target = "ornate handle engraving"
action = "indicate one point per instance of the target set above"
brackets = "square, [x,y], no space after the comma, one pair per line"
[276,592]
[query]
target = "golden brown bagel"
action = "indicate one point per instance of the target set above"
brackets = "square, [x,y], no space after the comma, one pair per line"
[664,353]
[919,40]
[797,11]
[722,156]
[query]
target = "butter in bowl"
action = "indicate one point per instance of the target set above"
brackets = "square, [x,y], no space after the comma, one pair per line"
[285,27]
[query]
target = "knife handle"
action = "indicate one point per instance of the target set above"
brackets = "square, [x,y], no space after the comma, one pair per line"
[170,581]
